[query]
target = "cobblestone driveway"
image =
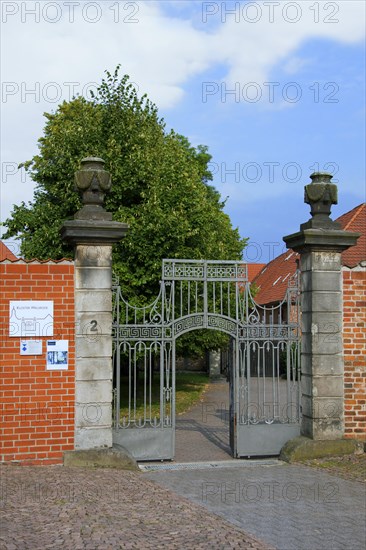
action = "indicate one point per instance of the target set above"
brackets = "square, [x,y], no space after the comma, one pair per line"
[54,507]
[289,507]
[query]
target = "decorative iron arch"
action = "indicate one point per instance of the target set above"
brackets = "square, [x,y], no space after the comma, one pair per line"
[215,295]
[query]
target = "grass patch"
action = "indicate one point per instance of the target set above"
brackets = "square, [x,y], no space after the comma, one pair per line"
[189,388]
[352,467]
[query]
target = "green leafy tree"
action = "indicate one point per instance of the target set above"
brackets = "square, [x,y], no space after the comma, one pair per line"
[159,187]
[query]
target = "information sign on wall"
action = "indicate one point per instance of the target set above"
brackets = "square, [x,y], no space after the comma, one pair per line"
[57,354]
[31,347]
[31,318]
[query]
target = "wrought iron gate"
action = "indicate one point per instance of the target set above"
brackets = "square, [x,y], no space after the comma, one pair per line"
[264,383]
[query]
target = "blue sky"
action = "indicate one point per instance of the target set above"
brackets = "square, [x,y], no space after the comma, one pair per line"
[275,89]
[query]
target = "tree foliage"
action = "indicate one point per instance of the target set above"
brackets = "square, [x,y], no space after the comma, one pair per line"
[160,187]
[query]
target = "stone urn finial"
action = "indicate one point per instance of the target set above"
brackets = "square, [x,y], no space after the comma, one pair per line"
[93,182]
[92,224]
[321,194]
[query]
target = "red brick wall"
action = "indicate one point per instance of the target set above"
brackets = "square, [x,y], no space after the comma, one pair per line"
[36,405]
[354,339]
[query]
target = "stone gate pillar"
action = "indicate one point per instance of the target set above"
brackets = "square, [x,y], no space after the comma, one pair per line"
[92,232]
[320,243]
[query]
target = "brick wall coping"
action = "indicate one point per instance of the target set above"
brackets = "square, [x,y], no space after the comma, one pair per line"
[360,267]
[22,261]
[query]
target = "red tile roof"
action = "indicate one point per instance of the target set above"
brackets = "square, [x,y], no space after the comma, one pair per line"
[355,221]
[253,270]
[273,278]
[5,253]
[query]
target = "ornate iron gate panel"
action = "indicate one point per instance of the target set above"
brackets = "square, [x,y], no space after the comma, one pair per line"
[268,375]
[204,294]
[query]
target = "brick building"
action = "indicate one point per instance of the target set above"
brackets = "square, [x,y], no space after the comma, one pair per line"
[37,404]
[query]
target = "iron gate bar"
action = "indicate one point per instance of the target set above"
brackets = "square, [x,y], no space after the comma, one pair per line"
[196,294]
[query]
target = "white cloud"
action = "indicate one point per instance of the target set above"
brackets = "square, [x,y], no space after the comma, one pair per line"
[295,64]
[161,52]
[253,50]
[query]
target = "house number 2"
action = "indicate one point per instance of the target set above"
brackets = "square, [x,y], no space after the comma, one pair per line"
[94,325]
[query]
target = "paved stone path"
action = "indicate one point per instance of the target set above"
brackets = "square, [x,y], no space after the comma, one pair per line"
[249,506]
[202,433]
[54,507]
[291,507]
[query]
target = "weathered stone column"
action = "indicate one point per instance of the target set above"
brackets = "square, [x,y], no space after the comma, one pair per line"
[320,243]
[92,232]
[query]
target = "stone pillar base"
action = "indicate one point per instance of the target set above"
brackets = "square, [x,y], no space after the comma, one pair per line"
[302,448]
[116,457]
